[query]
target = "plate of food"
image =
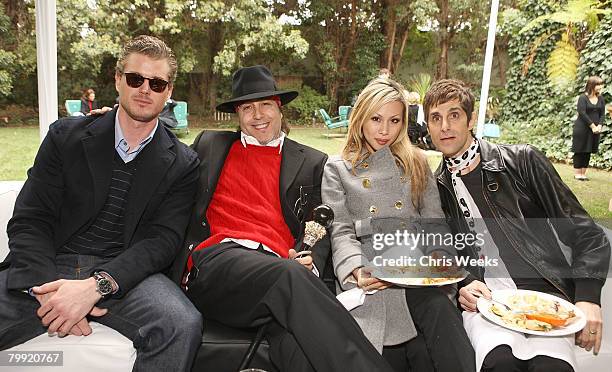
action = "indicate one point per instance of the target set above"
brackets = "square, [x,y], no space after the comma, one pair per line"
[532,312]
[413,276]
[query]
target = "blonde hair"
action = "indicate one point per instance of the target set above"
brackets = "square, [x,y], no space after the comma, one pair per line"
[409,159]
[151,47]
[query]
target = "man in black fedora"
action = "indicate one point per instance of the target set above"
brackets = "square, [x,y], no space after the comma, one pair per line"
[256,187]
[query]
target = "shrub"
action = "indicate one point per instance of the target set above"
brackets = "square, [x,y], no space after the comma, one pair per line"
[306,106]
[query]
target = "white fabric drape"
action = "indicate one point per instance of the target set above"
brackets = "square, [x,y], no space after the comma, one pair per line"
[46,61]
[486,71]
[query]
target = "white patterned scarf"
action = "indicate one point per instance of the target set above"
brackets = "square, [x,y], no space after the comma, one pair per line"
[495,277]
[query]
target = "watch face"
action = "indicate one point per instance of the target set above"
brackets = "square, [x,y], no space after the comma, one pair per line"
[104,286]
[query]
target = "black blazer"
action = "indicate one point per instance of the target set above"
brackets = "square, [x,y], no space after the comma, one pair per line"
[300,175]
[67,187]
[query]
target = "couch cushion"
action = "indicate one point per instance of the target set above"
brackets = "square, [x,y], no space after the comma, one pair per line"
[104,350]
[8,193]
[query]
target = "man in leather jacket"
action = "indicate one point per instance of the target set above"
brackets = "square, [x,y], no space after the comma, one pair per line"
[519,201]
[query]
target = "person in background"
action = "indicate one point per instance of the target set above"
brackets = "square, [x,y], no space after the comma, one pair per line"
[588,125]
[384,73]
[167,115]
[416,120]
[88,101]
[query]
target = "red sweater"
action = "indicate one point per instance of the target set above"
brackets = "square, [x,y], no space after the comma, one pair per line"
[246,203]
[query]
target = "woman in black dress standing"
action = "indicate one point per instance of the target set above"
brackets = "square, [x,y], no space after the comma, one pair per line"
[591,115]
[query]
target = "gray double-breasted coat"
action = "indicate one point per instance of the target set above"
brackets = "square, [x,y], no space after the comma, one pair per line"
[377,190]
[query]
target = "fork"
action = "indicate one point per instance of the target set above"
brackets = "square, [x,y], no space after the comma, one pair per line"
[508,308]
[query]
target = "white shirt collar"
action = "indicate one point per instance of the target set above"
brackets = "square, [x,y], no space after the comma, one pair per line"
[250,140]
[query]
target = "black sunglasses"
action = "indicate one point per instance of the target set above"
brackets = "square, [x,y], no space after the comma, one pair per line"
[135,80]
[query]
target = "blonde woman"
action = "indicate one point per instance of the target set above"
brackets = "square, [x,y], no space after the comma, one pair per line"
[381,177]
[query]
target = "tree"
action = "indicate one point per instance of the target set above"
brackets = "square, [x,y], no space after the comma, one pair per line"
[337,30]
[216,37]
[454,16]
[17,50]
[577,19]
[398,19]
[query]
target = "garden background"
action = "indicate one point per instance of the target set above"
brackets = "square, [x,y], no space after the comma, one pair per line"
[328,50]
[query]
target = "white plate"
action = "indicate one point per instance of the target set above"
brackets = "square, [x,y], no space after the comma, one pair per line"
[501,295]
[386,274]
[418,282]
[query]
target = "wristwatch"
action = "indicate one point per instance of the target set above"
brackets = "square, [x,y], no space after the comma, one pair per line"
[103,285]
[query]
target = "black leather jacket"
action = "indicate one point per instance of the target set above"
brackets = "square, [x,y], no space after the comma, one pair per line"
[527,197]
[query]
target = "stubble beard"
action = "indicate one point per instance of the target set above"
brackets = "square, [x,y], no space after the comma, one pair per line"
[136,117]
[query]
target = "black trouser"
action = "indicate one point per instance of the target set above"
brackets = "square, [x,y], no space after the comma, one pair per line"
[441,324]
[409,356]
[501,359]
[310,330]
[581,160]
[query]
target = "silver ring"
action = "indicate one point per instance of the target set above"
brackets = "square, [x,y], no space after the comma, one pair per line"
[593,332]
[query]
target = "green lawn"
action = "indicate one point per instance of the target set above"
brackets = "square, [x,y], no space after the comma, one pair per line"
[19,144]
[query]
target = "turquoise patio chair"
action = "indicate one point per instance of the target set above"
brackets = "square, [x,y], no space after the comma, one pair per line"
[332,123]
[72,106]
[344,111]
[491,130]
[180,112]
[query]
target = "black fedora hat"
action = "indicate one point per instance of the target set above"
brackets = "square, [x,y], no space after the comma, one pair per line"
[254,82]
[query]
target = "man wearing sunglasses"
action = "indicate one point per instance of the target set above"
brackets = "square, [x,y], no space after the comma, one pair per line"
[257,188]
[104,207]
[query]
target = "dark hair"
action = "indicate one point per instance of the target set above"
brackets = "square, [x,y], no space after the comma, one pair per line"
[87,92]
[151,47]
[591,83]
[446,90]
[284,124]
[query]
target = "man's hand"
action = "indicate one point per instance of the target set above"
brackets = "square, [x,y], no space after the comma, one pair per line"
[590,336]
[82,328]
[100,111]
[367,282]
[69,303]
[467,300]
[79,329]
[304,260]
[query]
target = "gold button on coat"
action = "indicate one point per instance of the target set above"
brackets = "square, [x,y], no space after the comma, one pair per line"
[365,165]
[399,204]
[373,209]
[366,183]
